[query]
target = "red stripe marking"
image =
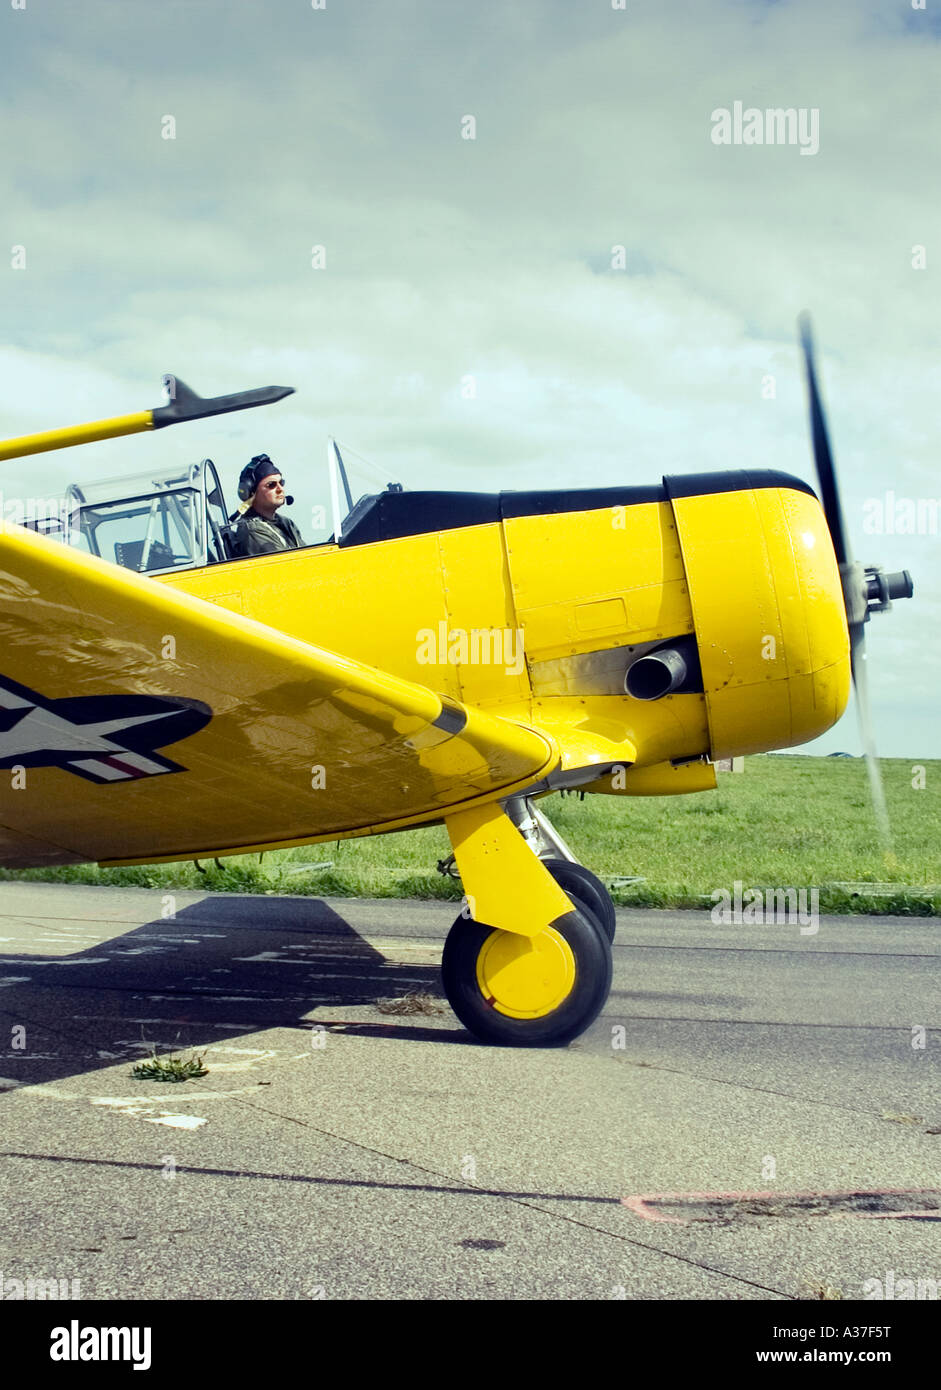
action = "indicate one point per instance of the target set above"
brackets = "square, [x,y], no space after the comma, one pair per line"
[112,761]
[638,1205]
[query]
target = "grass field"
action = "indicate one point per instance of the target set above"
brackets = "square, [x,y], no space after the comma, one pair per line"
[784,822]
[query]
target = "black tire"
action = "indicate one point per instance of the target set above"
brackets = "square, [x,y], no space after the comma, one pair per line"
[586,890]
[578,1010]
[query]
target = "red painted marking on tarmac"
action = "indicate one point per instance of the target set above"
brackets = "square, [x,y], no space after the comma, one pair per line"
[638,1205]
[644,1204]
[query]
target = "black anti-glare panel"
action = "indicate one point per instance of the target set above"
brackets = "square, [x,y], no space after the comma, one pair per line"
[706,484]
[392,515]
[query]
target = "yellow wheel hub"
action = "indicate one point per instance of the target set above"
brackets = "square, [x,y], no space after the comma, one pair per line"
[525,977]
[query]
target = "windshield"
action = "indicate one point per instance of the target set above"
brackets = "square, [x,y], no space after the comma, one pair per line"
[145,521]
[354,484]
[136,484]
[146,533]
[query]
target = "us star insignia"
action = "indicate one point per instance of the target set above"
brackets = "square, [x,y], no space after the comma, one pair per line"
[103,738]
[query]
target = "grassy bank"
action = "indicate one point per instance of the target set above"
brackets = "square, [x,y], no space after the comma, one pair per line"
[784,822]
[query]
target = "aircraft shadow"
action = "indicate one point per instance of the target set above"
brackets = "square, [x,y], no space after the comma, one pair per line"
[216,971]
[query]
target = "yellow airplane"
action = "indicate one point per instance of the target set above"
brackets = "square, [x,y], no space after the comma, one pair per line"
[445,657]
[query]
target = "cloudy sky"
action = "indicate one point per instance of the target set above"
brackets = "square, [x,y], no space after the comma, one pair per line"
[473,324]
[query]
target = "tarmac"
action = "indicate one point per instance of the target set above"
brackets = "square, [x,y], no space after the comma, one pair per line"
[756,1114]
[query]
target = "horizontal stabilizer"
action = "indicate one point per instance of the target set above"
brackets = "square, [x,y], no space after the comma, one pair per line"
[185,404]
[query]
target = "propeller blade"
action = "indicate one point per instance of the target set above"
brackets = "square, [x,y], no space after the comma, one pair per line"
[864,719]
[823,458]
[854,580]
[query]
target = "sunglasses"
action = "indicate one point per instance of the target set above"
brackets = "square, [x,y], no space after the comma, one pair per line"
[270,487]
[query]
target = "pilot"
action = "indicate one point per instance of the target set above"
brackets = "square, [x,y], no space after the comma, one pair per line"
[261,492]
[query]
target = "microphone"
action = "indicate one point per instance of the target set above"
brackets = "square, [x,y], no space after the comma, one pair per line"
[289,500]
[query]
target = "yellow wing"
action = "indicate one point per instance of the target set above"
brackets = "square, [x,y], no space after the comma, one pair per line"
[138,723]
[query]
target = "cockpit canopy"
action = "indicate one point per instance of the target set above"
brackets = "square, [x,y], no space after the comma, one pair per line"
[155,523]
[151,523]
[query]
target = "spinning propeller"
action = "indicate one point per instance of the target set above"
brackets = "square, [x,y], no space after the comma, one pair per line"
[866,588]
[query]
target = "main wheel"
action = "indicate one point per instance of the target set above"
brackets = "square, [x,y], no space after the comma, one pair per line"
[528,992]
[586,889]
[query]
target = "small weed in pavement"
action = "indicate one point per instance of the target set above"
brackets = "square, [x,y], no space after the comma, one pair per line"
[169,1069]
[413,1003]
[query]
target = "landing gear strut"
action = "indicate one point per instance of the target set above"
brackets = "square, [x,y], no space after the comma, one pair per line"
[528,963]
[582,886]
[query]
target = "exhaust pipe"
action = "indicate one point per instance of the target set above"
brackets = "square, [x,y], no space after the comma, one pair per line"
[655,675]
